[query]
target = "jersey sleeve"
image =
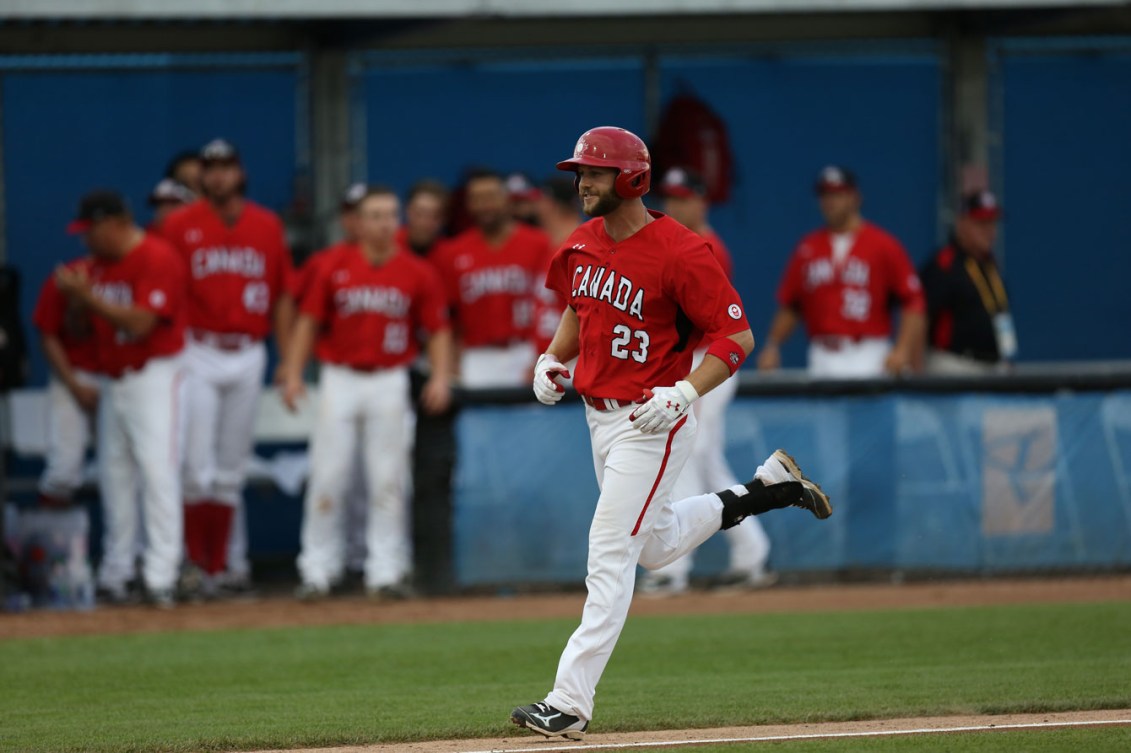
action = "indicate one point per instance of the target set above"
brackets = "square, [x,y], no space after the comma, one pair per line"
[48,314]
[558,276]
[429,305]
[789,291]
[283,280]
[696,281]
[161,283]
[317,298]
[903,278]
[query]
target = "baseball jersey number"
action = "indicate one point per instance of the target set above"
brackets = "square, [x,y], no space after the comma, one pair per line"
[857,304]
[396,337]
[622,339]
[256,297]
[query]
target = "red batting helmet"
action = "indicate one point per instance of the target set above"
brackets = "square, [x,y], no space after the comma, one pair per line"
[608,146]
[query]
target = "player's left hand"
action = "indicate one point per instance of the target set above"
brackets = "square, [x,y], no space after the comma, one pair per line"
[664,407]
[436,395]
[73,283]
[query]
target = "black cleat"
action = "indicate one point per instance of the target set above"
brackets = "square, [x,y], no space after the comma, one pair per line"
[813,498]
[548,721]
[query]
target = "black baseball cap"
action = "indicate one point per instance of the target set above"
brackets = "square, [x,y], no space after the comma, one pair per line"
[353,195]
[521,188]
[682,183]
[834,178]
[981,205]
[219,150]
[169,191]
[95,206]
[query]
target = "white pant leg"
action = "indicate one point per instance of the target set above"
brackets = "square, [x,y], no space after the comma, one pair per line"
[117,482]
[332,448]
[68,434]
[235,425]
[152,412]
[202,415]
[387,434]
[639,471]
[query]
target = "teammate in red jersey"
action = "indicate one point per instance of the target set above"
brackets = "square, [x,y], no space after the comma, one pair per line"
[134,290]
[238,271]
[840,281]
[361,316]
[643,292]
[492,273]
[67,335]
[685,200]
[167,197]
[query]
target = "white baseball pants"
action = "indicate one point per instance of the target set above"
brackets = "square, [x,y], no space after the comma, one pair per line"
[223,388]
[139,444]
[707,471]
[848,359]
[69,431]
[374,408]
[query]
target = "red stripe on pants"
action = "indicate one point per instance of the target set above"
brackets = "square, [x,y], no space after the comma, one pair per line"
[660,475]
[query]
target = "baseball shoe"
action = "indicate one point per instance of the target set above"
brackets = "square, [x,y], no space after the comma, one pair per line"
[309,592]
[161,598]
[390,592]
[656,585]
[117,596]
[548,721]
[743,580]
[813,498]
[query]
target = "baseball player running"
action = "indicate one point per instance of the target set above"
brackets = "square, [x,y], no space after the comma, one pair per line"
[238,269]
[685,200]
[67,335]
[362,312]
[134,290]
[643,291]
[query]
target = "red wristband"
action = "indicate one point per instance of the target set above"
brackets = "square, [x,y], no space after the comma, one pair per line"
[727,351]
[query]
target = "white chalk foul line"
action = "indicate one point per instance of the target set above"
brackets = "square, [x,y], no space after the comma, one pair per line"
[578,746]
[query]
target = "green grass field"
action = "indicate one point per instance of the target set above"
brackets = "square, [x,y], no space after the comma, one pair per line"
[357,684]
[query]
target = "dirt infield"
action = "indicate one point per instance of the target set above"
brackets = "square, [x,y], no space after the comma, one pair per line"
[279,611]
[678,738]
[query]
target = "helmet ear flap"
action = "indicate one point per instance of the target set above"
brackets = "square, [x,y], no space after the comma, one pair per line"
[632,185]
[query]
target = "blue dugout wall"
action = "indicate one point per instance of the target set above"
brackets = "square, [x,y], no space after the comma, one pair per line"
[1064,115]
[955,483]
[75,123]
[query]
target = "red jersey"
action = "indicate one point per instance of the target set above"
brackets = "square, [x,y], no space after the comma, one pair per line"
[493,291]
[149,277]
[235,273]
[71,324]
[722,253]
[369,315]
[643,304]
[850,297]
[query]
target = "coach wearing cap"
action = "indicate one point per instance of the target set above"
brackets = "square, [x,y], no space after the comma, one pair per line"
[970,329]
[840,282]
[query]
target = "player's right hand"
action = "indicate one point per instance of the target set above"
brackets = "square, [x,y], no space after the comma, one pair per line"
[292,390]
[547,371]
[770,358]
[86,396]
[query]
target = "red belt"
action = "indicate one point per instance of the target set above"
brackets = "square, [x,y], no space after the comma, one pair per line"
[605,403]
[230,341]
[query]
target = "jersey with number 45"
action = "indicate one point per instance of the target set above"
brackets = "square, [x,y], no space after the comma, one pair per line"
[642,304]
[235,272]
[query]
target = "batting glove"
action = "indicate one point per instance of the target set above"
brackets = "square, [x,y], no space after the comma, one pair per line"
[547,371]
[664,407]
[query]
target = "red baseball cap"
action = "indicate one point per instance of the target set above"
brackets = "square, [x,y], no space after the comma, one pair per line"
[981,205]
